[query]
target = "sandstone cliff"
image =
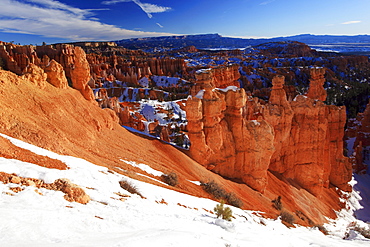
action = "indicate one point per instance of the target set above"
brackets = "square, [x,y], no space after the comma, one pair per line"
[241,138]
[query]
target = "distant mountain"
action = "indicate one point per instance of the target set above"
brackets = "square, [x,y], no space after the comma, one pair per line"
[205,41]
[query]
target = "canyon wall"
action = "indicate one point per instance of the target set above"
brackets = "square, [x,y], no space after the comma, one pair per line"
[241,137]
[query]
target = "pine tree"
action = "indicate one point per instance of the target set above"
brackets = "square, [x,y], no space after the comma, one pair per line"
[224,212]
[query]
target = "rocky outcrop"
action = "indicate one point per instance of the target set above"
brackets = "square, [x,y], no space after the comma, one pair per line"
[56,75]
[76,67]
[35,74]
[73,192]
[72,59]
[316,89]
[223,140]
[240,137]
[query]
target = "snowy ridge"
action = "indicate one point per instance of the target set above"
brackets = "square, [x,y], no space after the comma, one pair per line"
[31,219]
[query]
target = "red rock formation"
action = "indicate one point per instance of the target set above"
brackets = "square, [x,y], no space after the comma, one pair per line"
[308,138]
[226,76]
[300,139]
[223,140]
[73,60]
[35,74]
[55,74]
[361,145]
[316,89]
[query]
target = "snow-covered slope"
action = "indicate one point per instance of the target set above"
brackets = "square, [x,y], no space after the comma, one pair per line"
[40,217]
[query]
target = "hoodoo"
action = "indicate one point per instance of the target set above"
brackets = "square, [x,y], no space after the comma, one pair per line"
[238,137]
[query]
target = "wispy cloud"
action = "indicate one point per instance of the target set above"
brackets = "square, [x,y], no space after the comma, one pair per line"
[267,2]
[51,18]
[159,25]
[148,8]
[350,22]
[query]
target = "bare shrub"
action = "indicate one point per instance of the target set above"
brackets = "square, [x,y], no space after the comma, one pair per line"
[129,187]
[322,229]
[232,199]
[223,212]
[362,230]
[287,217]
[170,179]
[276,203]
[214,189]
[219,193]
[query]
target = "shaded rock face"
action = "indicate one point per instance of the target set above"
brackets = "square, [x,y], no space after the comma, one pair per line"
[240,137]
[52,59]
[360,132]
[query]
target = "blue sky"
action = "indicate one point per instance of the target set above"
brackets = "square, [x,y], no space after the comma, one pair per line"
[35,21]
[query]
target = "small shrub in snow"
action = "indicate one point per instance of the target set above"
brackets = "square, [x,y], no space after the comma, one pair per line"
[362,230]
[129,187]
[170,179]
[224,212]
[322,229]
[276,203]
[287,217]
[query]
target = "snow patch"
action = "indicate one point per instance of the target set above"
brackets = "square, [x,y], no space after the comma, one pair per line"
[144,167]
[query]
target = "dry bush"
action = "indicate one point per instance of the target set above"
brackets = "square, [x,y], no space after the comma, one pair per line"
[219,193]
[322,229]
[214,189]
[287,217]
[224,212]
[129,187]
[276,203]
[363,231]
[170,179]
[232,199]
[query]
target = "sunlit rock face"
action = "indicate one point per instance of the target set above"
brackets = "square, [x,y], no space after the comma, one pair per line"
[241,137]
[72,59]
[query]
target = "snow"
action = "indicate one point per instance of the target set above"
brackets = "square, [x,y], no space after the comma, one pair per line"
[165,81]
[31,219]
[200,94]
[233,88]
[200,71]
[144,167]
[151,110]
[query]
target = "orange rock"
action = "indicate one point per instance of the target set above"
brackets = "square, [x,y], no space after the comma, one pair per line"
[300,139]
[73,192]
[225,142]
[55,74]
[36,75]
[362,141]
[316,89]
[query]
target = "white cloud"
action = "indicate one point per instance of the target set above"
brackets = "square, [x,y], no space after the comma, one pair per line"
[159,25]
[51,18]
[148,8]
[350,22]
